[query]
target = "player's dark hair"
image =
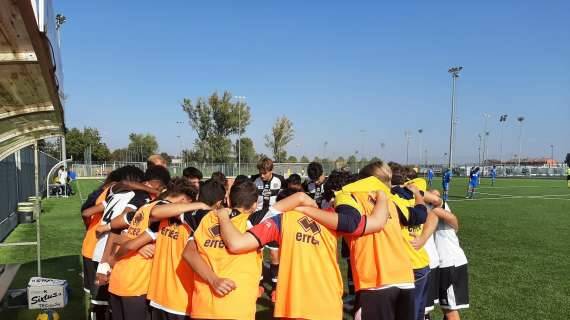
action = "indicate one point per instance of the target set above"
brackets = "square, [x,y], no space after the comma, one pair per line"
[157,173]
[243,195]
[398,173]
[240,178]
[180,186]
[409,173]
[294,179]
[211,192]
[219,177]
[314,170]
[285,193]
[192,173]
[129,173]
[265,165]
[336,180]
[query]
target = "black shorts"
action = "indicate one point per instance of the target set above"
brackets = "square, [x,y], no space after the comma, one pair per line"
[389,303]
[158,314]
[99,294]
[89,270]
[433,289]
[129,308]
[454,288]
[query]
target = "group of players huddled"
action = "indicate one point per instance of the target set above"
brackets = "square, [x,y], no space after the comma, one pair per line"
[158,247]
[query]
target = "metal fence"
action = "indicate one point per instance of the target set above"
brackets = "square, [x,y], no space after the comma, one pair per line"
[101,169]
[17,184]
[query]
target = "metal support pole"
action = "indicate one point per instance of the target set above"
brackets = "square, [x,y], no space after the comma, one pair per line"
[452,129]
[63,152]
[37,208]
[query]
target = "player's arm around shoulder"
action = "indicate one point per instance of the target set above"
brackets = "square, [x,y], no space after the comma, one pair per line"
[170,210]
[235,241]
[448,217]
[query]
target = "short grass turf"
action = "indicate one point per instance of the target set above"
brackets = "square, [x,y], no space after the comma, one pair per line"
[514,235]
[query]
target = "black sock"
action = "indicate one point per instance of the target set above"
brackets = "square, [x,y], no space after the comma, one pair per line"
[273,271]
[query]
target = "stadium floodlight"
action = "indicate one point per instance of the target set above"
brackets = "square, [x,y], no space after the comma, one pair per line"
[240,99]
[60,19]
[454,71]
[520,120]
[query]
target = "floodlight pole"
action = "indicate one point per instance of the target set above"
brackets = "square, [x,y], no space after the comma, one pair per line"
[520,120]
[502,120]
[551,154]
[454,71]
[407,134]
[420,131]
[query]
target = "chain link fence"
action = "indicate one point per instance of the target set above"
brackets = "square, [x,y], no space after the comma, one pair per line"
[101,169]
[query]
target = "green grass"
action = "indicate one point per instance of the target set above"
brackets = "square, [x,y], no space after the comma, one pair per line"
[514,235]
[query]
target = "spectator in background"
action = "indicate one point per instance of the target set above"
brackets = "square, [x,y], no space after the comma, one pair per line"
[62,179]
[70,177]
[156,160]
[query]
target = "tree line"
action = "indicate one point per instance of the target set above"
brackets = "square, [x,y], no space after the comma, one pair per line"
[218,121]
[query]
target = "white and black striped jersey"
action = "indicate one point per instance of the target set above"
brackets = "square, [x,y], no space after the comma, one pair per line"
[115,204]
[267,190]
[315,191]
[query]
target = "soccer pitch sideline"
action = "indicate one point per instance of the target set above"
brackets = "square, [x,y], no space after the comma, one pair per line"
[514,235]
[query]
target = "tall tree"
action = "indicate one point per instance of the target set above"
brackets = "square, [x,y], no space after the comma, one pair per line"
[352,159]
[247,151]
[214,119]
[281,134]
[76,141]
[292,159]
[143,145]
[304,159]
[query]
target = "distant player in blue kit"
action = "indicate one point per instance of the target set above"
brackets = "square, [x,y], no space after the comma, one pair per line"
[493,175]
[445,183]
[473,183]
[430,176]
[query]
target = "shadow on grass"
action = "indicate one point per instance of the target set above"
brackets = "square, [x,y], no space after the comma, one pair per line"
[68,268]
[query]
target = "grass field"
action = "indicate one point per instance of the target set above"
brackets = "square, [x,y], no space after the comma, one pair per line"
[515,235]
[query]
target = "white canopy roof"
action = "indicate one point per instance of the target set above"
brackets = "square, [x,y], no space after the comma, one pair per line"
[31,91]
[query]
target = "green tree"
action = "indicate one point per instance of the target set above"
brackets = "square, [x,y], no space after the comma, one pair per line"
[363,160]
[281,134]
[292,159]
[77,140]
[317,159]
[375,159]
[352,159]
[50,147]
[214,119]
[166,157]
[247,152]
[142,145]
[304,159]
[567,161]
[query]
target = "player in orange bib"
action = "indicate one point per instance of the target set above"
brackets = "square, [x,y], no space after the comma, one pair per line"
[172,279]
[381,269]
[308,255]
[237,300]
[130,277]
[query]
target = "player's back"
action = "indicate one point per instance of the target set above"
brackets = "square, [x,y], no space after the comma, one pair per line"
[308,256]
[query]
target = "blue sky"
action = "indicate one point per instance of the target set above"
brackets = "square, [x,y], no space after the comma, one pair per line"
[334,68]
